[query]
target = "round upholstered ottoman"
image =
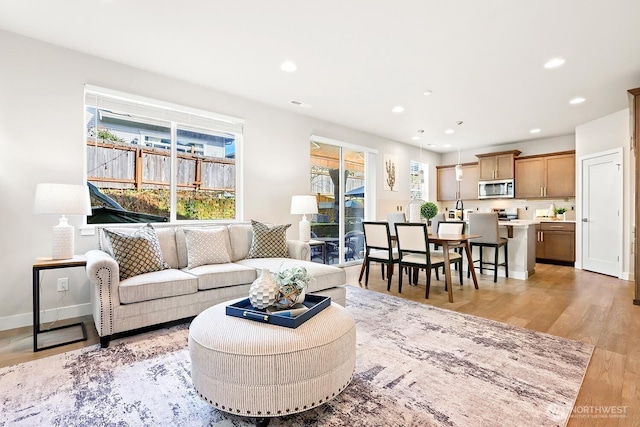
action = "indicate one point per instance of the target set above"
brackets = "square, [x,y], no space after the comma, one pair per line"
[260,370]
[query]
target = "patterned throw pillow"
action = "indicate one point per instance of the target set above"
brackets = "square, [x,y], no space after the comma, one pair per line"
[268,242]
[206,246]
[136,253]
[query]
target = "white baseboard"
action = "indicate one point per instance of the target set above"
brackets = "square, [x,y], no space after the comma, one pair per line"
[626,275]
[48,316]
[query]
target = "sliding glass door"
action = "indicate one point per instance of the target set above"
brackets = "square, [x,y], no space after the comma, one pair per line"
[338,179]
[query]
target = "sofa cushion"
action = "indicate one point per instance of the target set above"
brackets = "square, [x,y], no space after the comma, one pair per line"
[240,237]
[268,242]
[136,253]
[155,285]
[181,242]
[167,240]
[206,246]
[222,275]
[324,276]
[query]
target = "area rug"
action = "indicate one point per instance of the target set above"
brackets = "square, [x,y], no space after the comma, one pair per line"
[417,365]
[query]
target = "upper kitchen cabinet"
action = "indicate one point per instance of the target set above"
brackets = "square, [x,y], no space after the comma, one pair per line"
[496,165]
[449,189]
[548,176]
[469,183]
[447,184]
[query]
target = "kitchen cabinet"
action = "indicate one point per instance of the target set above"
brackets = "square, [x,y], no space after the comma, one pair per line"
[556,241]
[450,190]
[469,184]
[548,176]
[496,165]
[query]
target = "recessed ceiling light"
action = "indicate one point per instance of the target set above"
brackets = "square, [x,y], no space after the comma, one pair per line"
[299,104]
[427,92]
[535,130]
[398,109]
[447,145]
[449,131]
[554,63]
[416,138]
[431,145]
[577,100]
[288,67]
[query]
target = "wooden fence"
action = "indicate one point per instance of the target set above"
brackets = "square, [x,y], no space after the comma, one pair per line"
[122,165]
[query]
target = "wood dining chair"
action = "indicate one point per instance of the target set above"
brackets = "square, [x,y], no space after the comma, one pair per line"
[378,248]
[414,253]
[451,227]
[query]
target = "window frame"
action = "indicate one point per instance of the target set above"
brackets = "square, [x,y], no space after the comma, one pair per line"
[192,118]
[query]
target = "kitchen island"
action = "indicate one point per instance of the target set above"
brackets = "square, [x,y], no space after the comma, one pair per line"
[521,234]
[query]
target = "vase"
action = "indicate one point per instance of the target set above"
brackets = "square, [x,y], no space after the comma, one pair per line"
[264,290]
[289,296]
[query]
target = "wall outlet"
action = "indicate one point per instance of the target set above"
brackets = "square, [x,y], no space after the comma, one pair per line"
[63,284]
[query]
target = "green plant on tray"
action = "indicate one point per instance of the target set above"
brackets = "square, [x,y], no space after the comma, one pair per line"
[560,211]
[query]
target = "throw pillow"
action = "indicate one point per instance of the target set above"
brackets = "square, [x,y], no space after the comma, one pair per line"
[206,246]
[268,242]
[136,253]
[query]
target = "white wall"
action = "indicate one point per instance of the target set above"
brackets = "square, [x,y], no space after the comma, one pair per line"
[41,138]
[600,135]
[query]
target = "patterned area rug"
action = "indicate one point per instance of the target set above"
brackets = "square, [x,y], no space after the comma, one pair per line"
[417,365]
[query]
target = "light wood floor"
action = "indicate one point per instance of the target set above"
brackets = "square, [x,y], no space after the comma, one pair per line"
[557,300]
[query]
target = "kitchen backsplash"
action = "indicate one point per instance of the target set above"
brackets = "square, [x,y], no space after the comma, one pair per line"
[526,208]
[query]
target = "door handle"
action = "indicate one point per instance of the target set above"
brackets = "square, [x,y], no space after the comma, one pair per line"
[585,220]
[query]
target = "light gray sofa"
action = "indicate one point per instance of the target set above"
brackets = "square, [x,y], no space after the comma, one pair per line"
[178,293]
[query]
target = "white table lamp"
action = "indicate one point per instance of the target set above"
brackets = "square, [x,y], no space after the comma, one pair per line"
[62,199]
[303,205]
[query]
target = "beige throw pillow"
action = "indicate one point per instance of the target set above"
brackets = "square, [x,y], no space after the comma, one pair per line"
[136,253]
[206,246]
[268,242]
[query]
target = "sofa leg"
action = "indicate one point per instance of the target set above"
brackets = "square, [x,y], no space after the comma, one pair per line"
[104,341]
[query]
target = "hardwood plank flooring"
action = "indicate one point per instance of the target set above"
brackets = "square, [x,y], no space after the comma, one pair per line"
[558,300]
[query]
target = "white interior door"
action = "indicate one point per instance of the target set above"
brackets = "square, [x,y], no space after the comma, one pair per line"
[601,213]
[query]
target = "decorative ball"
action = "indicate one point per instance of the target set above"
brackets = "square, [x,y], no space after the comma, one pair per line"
[289,296]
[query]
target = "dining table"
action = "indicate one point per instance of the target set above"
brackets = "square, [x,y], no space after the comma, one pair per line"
[449,241]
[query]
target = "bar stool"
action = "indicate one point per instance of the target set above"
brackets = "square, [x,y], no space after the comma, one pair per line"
[486,225]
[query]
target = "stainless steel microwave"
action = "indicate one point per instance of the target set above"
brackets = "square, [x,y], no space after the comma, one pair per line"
[499,189]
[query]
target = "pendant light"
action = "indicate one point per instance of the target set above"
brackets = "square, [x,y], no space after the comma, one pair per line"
[458,168]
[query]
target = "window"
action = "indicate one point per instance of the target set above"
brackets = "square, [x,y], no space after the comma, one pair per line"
[149,161]
[419,181]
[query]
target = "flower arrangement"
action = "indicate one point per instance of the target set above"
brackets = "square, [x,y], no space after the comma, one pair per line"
[293,283]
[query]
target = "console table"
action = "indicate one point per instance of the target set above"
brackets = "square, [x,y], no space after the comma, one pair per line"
[50,264]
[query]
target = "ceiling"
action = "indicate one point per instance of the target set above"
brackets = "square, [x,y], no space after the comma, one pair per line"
[357,59]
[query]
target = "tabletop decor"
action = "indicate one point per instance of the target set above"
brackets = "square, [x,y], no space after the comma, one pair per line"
[264,291]
[428,210]
[293,283]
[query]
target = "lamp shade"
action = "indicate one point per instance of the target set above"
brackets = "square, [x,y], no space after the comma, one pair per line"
[303,205]
[62,199]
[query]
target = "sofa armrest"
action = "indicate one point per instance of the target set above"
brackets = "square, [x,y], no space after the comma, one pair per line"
[104,274]
[99,263]
[298,249]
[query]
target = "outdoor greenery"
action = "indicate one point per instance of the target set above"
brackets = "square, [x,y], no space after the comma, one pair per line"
[190,204]
[108,136]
